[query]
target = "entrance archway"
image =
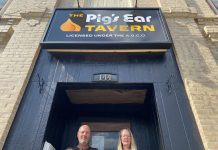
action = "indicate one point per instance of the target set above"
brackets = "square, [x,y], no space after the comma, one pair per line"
[117,105]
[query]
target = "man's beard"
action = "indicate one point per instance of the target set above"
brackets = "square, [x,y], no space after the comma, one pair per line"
[83,141]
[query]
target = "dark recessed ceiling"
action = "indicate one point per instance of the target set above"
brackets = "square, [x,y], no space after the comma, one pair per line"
[109,96]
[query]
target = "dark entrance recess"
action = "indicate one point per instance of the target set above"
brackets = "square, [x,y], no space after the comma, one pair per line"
[161,120]
[110,104]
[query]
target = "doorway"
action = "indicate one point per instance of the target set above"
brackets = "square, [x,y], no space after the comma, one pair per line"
[107,108]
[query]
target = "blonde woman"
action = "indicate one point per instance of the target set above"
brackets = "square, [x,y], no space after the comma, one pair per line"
[126,140]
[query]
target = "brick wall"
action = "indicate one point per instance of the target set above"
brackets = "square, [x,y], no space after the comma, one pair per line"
[199,72]
[175,4]
[17,61]
[28,19]
[195,40]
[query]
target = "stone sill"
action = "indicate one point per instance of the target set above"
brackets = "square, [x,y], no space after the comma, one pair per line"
[211,32]
[203,20]
[191,12]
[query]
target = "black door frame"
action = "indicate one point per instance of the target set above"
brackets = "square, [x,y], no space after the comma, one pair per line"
[146,110]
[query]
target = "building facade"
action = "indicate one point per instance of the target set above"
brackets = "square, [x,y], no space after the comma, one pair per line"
[193,25]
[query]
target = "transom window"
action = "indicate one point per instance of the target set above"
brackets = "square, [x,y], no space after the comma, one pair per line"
[105,134]
[105,140]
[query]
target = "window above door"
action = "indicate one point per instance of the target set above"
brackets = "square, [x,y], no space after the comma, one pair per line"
[105,135]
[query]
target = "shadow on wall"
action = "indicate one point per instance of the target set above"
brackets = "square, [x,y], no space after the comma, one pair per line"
[6,31]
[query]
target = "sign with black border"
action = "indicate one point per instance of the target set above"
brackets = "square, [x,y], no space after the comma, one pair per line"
[107,28]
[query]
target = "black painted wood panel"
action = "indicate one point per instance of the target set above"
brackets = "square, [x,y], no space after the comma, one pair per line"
[28,120]
[174,122]
[172,119]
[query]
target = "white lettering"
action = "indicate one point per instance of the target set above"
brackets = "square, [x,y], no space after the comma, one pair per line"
[106,20]
[128,18]
[99,18]
[90,17]
[148,19]
[139,19]
[114,18]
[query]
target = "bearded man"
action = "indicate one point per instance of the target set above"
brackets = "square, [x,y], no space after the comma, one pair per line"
[83,136]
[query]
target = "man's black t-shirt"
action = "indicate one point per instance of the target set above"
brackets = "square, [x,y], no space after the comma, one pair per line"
[90,148]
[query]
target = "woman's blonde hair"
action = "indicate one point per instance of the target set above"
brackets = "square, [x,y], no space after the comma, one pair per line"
[132,145]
